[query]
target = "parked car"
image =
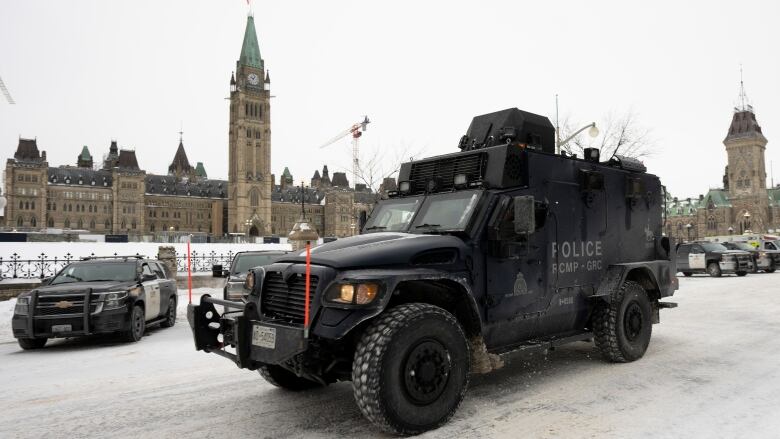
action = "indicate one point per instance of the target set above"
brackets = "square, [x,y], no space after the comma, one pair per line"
[712,258]
[765,260]
[122,294]
[240,265]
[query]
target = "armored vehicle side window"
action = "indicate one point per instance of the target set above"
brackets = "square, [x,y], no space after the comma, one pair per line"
[683,250]
[711,247]
[770,246]
[158,270]
[696,249]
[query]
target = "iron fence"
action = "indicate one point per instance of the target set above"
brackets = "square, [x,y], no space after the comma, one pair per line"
[201,262]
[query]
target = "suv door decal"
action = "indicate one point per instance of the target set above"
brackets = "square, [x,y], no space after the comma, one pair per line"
[696,259]
[152,290]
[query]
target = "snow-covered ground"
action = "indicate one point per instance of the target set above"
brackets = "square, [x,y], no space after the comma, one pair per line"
[711,371]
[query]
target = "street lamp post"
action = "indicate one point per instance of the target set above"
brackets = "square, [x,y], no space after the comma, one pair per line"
[592,132]
[688,226]
[731,230]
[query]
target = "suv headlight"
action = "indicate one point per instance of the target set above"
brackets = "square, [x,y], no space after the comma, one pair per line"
[353,293]
[22,307]
[114,299]
[235,290]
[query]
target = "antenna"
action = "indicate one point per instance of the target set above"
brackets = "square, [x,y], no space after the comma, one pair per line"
[743,100]
[6,92]
[557,128]
[181,132]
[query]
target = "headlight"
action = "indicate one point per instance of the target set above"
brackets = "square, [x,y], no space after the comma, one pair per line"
[353,294]
[235,291]
[22,307]
[761,254]
[114,299]
[249,283]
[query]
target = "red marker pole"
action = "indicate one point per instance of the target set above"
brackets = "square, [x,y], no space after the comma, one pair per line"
[306,300]
[189,270]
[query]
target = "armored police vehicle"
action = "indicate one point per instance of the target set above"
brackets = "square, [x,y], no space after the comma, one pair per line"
[119,294]
[500,247]
[712,258]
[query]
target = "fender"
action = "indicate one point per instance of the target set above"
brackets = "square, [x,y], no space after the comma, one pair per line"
[335,321]
[660,274]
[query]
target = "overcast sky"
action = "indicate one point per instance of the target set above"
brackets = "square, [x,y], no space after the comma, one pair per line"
[86,72]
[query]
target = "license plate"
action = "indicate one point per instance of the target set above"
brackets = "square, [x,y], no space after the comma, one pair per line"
[264,336]
[61,328]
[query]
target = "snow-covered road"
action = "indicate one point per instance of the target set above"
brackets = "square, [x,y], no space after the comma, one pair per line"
[712,370]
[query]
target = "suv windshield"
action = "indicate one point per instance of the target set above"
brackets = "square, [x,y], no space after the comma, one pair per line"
[243,263]
[91,272]
[437,212]
[713,247]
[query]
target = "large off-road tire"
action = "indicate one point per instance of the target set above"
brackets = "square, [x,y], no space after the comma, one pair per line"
[687,273]
[742,273]
[32,343]
[713,269]
[281,377]
[136,325]
[411,369]
[769,270]
[622,328]
[170,316]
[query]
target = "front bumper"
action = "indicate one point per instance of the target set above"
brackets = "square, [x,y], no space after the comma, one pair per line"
[255,342]
[105,322]
[736,266]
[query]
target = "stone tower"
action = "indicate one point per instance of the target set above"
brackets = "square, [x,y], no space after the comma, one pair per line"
[746,170]
[249,141]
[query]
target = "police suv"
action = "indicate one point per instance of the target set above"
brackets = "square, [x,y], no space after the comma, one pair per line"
[120,294]
[501,247]
[712,258]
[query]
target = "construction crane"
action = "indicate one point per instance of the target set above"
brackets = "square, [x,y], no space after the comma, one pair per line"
[6,92]
[356,130]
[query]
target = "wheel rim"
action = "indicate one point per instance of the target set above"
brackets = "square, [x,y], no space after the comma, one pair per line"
[713,270]
[171,311]
[634,321]
[137,323]
[427,371]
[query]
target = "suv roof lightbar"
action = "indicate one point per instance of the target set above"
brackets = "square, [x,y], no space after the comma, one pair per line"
[87,258]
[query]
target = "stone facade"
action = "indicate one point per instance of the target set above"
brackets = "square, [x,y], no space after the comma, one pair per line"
[117,197]
[743,204]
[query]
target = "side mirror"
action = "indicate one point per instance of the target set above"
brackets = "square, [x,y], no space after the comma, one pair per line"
[46,280]
[525,215]
[225,273]
[148,277]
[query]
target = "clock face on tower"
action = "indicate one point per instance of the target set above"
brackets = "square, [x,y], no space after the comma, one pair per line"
[253,78]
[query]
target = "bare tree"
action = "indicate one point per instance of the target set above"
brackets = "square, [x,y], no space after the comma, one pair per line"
[381,163]
[621,135]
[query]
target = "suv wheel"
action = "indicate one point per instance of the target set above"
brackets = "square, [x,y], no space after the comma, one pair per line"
[170,316]
[281,377]
[411,369]
[741,273]
[687,273]
[32,343]
[137,325]
[713,269]
[622,328]
[770,270]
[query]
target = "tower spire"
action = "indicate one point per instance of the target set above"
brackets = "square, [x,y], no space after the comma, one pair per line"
[744,104]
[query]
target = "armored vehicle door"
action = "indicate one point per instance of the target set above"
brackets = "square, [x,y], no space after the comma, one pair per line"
[151,287]
[514,277]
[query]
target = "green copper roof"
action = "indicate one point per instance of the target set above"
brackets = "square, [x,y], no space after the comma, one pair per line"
[774,196]
[85,155]
[286,174]
[250,50]
[719,198]
[200,171]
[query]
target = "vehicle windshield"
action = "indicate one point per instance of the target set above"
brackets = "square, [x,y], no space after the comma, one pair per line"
[393,215]
[436,212]
[713,247]
[742,246]
[242,263]
[92,272]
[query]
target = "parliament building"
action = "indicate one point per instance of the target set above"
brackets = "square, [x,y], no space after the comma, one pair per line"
[115,196]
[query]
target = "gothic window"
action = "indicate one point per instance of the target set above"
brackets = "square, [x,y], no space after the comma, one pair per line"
[254,198]
[259,112]
[151,227]
[80,224]
[107,224]
[19,222]
[33,222]
[67,223]
[32,204]
[21,205]
[92,224]
[711,223]
[50,222]
[246,109]
[133,224]
[248,133]
[26,205]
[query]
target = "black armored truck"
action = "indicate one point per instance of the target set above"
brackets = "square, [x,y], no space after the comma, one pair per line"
[501,247]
